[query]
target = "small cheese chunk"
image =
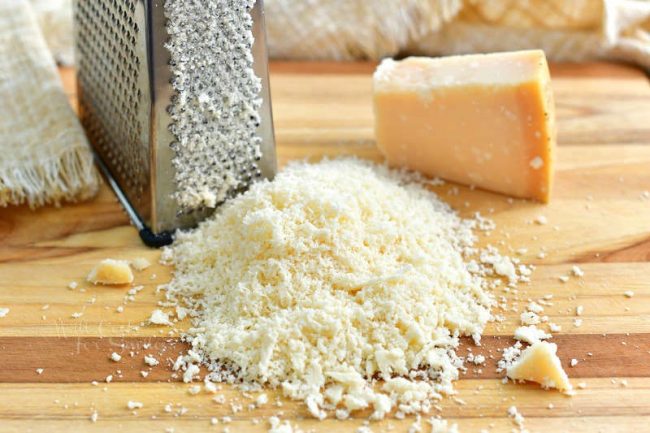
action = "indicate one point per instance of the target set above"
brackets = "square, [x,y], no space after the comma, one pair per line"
[140,264]
[111,272]
[134,405]
[539,363]
[483,120]
[530,334]
[159,317]
[151,361]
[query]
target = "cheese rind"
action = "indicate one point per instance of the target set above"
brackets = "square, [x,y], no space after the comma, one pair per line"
[483,120]
[540,363]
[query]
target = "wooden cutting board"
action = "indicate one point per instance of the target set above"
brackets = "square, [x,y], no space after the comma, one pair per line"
[598,219]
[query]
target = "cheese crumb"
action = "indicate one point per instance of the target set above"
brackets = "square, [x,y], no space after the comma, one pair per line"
[529,318]
[159,317]
[627,294]
[115,357]
[140,264]
[194,389]
[516,416]
[541,220]
[577,272]
[579,310]
[261,400]
[279,427]
[192,371]
[39,371]
[151,361]
[111,272]
[94,416]
[4,312]
[441,426]
[573,362]
[210,386]
[530,334]
[73,285]
[535,308]
[134,405]
[537,163]
[109,378]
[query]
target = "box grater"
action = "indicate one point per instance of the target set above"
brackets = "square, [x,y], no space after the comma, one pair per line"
[125,94]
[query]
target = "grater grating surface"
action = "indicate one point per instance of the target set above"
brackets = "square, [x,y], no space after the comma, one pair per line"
[126,97]
[109,73]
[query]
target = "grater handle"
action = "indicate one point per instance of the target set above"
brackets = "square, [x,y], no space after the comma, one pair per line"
[149,238]
[153,240]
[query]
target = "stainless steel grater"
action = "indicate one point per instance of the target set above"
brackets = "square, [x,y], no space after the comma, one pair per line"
[125,93]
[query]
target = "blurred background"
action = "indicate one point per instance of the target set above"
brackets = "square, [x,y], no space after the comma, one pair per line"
[575,30]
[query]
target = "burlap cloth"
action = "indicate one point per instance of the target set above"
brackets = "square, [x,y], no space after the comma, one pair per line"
[44,155]
[568,30]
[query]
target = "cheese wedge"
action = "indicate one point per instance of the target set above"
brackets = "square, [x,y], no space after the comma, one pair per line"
[539,363]
[486,120]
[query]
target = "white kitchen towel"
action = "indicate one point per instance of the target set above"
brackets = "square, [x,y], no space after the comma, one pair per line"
[44,155]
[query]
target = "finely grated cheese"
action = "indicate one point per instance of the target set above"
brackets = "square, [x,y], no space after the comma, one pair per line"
[330,276]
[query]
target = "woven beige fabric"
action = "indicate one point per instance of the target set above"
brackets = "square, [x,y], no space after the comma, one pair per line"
[574,30]
[351,29]
[55,20]
[568,30]
[44,155]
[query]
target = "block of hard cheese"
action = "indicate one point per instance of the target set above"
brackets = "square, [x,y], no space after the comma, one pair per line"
[486,120]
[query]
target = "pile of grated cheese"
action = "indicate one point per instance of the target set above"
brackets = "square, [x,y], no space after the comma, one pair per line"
[330,277]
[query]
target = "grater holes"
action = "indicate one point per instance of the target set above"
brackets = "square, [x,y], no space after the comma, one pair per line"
[109,73]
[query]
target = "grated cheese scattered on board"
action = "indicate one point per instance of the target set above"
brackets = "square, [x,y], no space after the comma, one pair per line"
[331,275]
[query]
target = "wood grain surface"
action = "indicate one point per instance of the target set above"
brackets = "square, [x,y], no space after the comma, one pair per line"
[599,218]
